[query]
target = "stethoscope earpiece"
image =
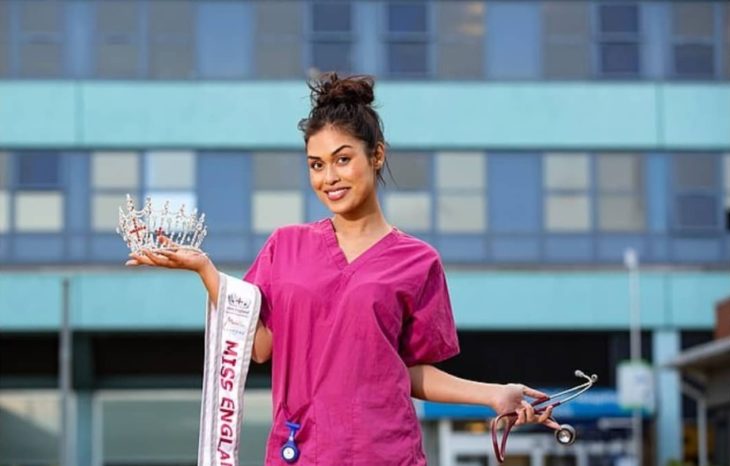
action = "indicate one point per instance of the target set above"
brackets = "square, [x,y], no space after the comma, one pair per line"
[565,435]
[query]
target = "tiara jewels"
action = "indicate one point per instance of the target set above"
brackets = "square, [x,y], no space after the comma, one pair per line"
[144,229]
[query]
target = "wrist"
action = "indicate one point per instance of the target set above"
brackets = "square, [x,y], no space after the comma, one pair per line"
[207,268]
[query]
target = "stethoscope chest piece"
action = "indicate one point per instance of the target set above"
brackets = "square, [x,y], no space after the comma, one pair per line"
[290,451]
[565,435]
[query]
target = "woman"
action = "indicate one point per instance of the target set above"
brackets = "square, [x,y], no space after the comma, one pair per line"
[354,311]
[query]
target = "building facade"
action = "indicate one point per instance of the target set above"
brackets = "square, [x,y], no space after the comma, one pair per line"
[530,142]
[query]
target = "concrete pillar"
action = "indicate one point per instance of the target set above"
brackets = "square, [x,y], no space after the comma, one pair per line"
[667,346]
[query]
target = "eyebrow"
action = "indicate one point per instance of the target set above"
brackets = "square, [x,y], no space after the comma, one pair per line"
[332,154]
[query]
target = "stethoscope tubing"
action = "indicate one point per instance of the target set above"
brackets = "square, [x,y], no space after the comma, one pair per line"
[540,407]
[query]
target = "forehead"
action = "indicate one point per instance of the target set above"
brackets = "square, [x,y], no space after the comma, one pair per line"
[329,139]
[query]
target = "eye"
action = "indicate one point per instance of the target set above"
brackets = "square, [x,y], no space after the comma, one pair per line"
[343,159]
[315,165]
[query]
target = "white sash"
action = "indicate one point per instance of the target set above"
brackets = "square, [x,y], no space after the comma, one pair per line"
[230,327]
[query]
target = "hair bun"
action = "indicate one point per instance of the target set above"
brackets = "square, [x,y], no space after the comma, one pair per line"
[331,90]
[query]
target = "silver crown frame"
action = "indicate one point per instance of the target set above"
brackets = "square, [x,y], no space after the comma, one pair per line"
[144,229]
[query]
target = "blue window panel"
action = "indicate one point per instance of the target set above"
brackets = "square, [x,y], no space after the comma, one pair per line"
[697,211]
[654,53]
[620,58]
[513,40]
[659,248]
[108,248]
[408,58]
[40,248]
[77,248]
[315,209]
[515,202]
[332,56]
[656,177]
[462,248]
[223,193]
[697,250]
[408,17]
[568,248]
[36,170]
[331,17]
[619,18]
[224,39]
[516,249]
[4,249]
[611,248]
[227,248]
[257,242]
[694,60]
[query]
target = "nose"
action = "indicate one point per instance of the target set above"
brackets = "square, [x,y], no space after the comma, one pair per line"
[330,175]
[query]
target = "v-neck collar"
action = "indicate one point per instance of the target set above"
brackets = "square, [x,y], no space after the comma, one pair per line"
[338,255]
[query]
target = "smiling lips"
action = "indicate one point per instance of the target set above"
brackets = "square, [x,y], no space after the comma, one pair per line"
[337,194]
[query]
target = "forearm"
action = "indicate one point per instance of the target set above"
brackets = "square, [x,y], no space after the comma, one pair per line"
[432,384]
[211,280]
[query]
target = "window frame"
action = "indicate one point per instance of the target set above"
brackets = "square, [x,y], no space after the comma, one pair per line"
[602,38]
[714,40]
[387,38]
[676,192]
[314,37]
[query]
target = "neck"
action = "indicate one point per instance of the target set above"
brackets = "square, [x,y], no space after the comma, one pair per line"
[368,219]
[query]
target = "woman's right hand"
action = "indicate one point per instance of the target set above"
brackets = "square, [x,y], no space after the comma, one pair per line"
[172,257]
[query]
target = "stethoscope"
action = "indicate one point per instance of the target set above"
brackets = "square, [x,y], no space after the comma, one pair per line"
[565,435]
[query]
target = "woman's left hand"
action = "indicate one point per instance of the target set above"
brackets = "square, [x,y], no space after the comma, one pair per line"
[511,397]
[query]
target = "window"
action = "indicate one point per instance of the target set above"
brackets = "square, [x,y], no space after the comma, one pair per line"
[30,421]
[38,211]
[118,39]
[39,170]
[407,41]
[4,193]
[4,39]
[693,44]
[278,39]
[171,39]
[278,197]
[726,182]
[331,37]
[619,40]
[461,183]
[566,39]
[566,179]
[170,176]
[620,196]
[42,28]
[408,201]
[113,176]
[460,49]
[696,188]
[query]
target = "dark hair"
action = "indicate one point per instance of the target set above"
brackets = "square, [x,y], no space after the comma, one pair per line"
[346,104]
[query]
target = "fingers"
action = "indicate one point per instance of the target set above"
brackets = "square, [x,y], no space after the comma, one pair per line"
[526,414]
[532,393]
[147,257]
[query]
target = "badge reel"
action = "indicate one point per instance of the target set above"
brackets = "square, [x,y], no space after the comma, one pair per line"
[290,451]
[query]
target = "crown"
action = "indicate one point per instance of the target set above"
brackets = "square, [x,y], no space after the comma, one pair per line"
[144,229]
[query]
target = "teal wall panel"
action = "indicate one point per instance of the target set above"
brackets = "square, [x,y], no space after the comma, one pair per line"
[524,300]
[39,114]
[30,302]
[139,299]
[264,114]
[458,115]
[696,116]
[531,301]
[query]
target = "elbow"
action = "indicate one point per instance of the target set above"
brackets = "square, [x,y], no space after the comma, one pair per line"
[260,359]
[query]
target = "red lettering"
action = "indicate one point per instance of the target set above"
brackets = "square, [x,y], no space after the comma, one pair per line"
[230,346]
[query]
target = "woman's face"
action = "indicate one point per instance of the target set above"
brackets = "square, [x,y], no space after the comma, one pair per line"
[340,172]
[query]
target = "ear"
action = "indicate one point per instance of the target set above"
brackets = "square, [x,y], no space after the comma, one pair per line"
[379,156]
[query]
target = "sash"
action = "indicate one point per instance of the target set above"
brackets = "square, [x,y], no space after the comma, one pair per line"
[230,326]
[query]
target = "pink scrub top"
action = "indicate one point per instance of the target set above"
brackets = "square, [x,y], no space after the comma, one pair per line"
[344,335]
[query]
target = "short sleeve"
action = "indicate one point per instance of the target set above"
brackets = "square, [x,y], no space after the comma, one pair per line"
[260,274]
[429,333]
